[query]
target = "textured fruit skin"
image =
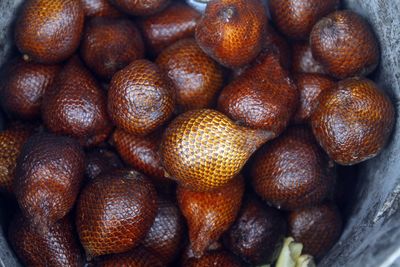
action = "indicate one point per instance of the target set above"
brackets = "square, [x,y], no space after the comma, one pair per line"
[99,8]
[140,98]
[263,97]
[203,149]
[141,8]
[56,246]
[23,87]
[11,142]
[257,234]
[292,171]
[310,86]
[210,214]
[115,211]
[345,44]
[275,39]
[76,106]
[167,233]
[178,21]
[303,60]
[109,45]
[317,228]
[232,31]
[138,257]
[101,160]
[49,31]
[196,77]
[353,121]
[295,18]
[215,258]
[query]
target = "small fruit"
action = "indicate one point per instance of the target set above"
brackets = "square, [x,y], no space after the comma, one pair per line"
[292,171]
[115,211]
[138,257]
[303,60]
[203,149]
[345,44]
[210,214]
[101,160]
[353,121]
[141,8]
[100,8]
[140,98]
[196,77]
[109,45]
[215,258]
[49,31]
[232,31]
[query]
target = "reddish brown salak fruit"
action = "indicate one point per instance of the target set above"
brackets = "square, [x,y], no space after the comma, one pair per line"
[317,228]
[76,106]
[310,86]
[353,121]
[215,258]
[23,87]
[48,176]
[295,18]
[56,246]
[99,8]
[232,31]
[276,40]
[138,257]
[115,211]
[140,98]
[141,8]
[109,45]
[210,214]
[257,234]
[49,31]
[292,171]
[263,97]
[166,235]
[303,60]
[101,160]
[345,44]
[196,77]
[178,21]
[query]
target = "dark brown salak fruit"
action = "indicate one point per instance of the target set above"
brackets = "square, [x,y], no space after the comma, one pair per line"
[353,121]
[310,86]
[303,60]
[76,106]
[101,160]
[115,211]
[48,177]
[140,98]
[275,39]
[257,234]
[141,8]
[345,44]
[296,18]
[178,21]
[196,77]
[56,246]
[23,87]
[203,149]
[210,214]
[232,31]
[109,45]
[166,235]
[215,258]
[263,97]
[49,31]
[138,257]
[317,228]
[100,8]
[292,171]
[11,142]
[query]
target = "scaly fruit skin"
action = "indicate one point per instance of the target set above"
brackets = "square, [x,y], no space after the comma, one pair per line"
[115,211]
[23,87]
[49,31]
[196,77]
[210,214]
[345,44]
[109,45]
[100,8]
[76,106]
[48,177]
[215,258]
[178,21]
[56,246]
[141,8]
[353,121]
[303,60]
[101,160]
[292,171]
[295,18]
[275,39]
[232,31]
[140,98]
[203,149]
[317,228]
[138,257]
